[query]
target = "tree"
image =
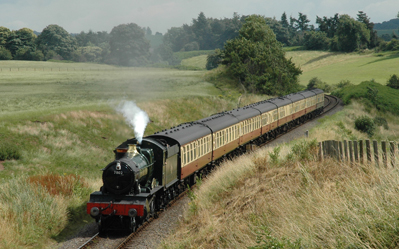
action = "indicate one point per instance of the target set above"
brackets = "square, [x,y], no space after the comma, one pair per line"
[22,40]
[302,22]
[4,34]
[351,34]
[393,82]
[202,30]
[281,32]
[362,17]
[5,54]
[328,25]
[316,40]
[284,20]
[57,39]
[128,45]
[256,59]
[148,31]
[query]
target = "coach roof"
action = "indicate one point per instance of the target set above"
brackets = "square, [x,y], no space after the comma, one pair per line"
[184,133]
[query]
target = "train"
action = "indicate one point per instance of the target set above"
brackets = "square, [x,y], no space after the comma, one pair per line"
[146,176]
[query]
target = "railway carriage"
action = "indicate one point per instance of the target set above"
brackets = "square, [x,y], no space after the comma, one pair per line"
[144,177]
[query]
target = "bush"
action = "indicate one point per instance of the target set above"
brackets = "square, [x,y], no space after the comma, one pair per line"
[9,152]
[317,83]
[213,60]
[393,82]
[316,40]
[365,124]
[344,83]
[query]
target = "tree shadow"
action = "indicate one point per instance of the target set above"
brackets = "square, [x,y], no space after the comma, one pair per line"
[321,58]
[384,58]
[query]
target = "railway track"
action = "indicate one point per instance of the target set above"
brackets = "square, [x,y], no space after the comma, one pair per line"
[121,241]
[100,241]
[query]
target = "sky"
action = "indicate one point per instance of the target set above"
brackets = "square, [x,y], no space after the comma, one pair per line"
[160,15]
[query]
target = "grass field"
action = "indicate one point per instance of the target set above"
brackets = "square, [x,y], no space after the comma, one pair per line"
[332,67]
[48,86]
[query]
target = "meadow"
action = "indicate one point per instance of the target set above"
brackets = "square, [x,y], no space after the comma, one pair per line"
[58,120]
[333,67]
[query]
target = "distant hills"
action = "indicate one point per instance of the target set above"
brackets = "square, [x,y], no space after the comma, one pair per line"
[391,24]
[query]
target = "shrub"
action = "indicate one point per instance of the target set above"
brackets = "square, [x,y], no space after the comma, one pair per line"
[213,60]
[344,83]
[393,82]
[9,152]
[365,124]
[317,83]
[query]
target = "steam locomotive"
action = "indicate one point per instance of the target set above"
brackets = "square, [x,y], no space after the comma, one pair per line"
[146,176]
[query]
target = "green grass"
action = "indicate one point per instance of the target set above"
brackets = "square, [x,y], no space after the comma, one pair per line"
[26,90]
[196,61]
[386,98]
[190,54]
[333,67]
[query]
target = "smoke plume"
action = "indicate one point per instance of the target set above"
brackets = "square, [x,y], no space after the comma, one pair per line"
[135,117]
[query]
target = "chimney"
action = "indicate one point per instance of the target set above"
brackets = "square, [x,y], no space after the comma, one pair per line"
[132,150]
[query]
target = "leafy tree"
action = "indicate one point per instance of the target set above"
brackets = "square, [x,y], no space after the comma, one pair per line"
[128,45]
[328,25]
[316,40]
[362,17]
[302,22]
[91,38]
[393,82]
[57,39]
[282,33]
[213,60]
[258,61]
[351,34]
[176,38]
[284,20]
[5,54]
[4,34]
[167,55]
[22,40]
[202,31]
[148,31]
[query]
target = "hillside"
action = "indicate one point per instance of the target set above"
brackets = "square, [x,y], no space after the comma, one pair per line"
[332,67]
[285,197]
[391,24]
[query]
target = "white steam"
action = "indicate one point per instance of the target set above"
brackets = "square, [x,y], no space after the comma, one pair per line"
[135,117]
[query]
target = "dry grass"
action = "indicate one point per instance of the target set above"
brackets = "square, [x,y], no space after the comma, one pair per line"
[285,198]
[316,205]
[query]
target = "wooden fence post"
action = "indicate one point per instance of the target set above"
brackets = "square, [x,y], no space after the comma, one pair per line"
[376,157]
[350,151]
[336,150]
[393,153]
[341,155]
[384,153]
[356,151]
[368,150]
[346,150]
[320,154]
[361,151]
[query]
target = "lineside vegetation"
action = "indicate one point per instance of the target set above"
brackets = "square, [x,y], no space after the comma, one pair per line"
[283,197]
